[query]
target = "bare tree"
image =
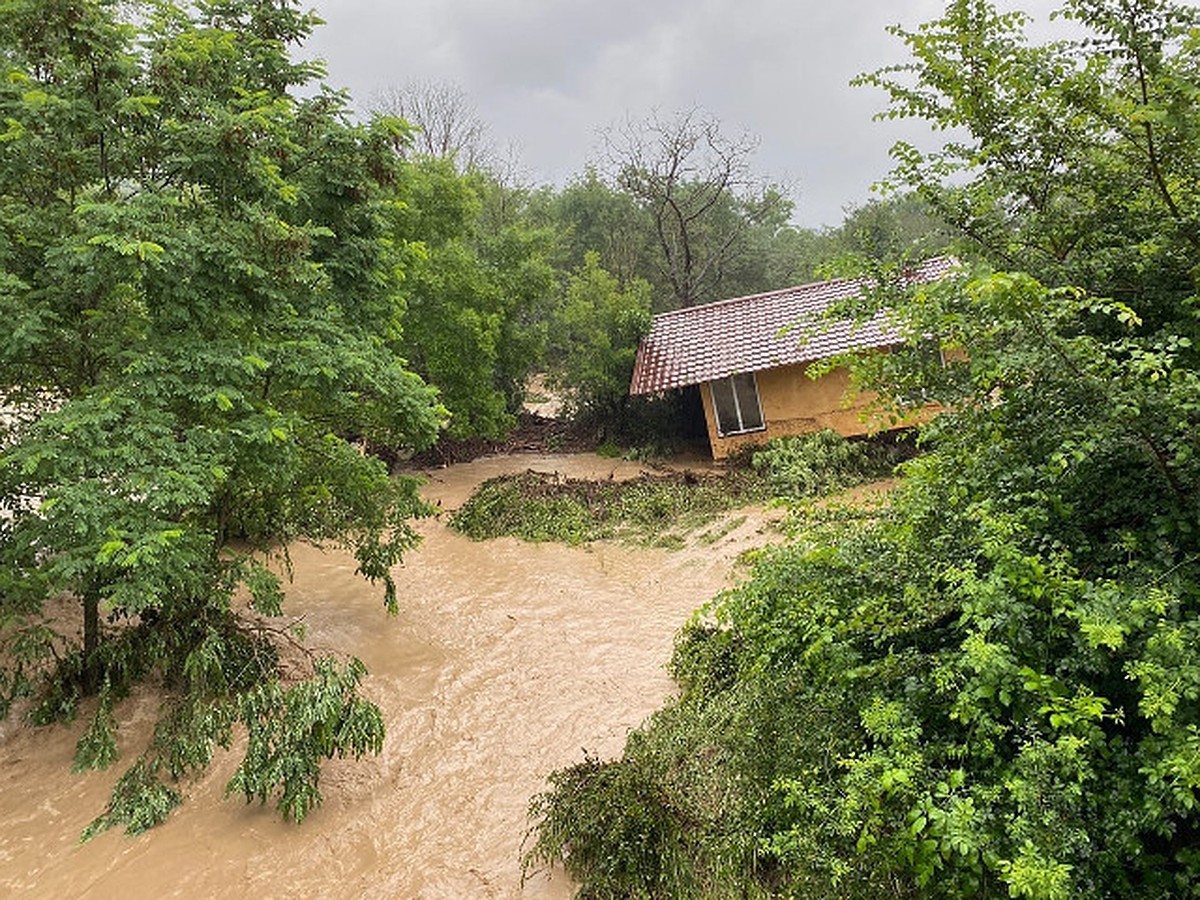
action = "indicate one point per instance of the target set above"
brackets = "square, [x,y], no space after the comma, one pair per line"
[697,185]
[448,125]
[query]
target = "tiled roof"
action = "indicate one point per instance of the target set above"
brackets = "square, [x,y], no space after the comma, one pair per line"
[746,334]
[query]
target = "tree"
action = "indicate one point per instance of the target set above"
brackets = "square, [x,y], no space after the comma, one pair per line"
[589,215]
[446,122]
[992,686]
[696,186]
[594,337]
[900,226]
[476,298]
[1079,165]
[196,267]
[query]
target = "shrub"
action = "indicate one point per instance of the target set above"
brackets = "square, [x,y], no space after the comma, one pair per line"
[822,462]
[990,687]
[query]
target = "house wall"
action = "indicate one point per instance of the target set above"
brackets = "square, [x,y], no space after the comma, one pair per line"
[793,403]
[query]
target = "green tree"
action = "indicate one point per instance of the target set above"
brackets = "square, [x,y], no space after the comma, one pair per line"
[1080,164]
[476,298]
[200,286]
[594,339]
[901,226]
[589,215]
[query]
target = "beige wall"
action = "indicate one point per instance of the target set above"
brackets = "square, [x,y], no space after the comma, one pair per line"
[793,403]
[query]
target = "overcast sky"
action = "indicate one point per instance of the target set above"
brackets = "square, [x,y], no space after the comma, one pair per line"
[548,75]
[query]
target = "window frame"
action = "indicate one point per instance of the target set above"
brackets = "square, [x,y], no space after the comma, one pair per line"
[739,404]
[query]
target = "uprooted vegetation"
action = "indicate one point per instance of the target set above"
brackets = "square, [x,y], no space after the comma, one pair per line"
[649,509]
[661,509]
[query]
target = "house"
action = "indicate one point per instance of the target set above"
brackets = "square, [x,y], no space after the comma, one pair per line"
[749,356]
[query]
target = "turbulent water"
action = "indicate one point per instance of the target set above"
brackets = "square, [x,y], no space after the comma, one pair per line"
[506,661]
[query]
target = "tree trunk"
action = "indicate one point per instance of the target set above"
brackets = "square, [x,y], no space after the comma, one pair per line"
[91,639]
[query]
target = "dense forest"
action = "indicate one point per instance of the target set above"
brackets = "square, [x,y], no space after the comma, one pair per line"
[230,298]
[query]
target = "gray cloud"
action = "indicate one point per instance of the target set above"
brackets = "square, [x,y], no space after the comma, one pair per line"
[547,75]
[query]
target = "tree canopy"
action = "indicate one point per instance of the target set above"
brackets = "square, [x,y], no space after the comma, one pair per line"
[699,195]
[477,298]
[594,335]
[199,277]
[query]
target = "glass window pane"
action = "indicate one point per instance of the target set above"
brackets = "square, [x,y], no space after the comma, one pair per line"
[725,406]
[747,395]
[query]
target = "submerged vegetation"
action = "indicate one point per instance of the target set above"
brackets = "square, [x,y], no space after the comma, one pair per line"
[820,463]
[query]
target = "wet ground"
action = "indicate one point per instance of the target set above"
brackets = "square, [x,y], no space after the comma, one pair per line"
[506,661]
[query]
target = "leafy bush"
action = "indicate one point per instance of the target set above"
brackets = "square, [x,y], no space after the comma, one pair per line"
[664,820]
[522,506]
[822,462]
[991,687]
[600,803]
[918,703]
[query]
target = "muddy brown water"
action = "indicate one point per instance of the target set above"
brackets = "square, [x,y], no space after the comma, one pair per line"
[506,661]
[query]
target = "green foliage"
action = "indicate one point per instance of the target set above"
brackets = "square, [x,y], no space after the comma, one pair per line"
[899,225]
[523,506]
[477,299]
[991,687]
[597,805]
[594,338]
[822,462]
[139,801]
[591,216]
[97,748]
[198,269]
[25,646]
[537,507]
[1077,162]
[293,729]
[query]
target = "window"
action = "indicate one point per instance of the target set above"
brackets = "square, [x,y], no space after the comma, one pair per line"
[735,400]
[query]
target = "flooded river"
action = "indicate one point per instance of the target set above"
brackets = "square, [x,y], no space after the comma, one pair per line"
[507,659]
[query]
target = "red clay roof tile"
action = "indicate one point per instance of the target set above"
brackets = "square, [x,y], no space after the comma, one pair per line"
[748,334]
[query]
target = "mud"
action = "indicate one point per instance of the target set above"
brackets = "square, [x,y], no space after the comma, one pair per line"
[507,659]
